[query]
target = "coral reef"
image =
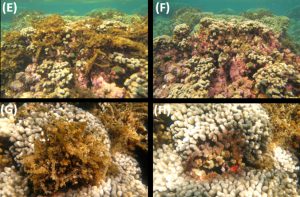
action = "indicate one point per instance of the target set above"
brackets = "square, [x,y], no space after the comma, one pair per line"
[187,15]
[162,26]
[190,16]
[227,11]
[106,14]
[257,13]
[293,37]
[294,13]
[63,150]
[227,56]
[223,150]
[69,56]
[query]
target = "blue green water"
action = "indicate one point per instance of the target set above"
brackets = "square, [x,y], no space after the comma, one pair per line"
[77,7]
[279,7]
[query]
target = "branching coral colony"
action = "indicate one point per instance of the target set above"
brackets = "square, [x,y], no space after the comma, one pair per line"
[228,56]
[93,56]
[63,150]
[227,150]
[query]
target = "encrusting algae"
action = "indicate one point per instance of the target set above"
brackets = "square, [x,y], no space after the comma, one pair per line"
[89,46]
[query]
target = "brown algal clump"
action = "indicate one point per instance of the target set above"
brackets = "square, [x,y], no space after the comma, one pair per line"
[286,132]
[68,155]
[286,125]
[125,124]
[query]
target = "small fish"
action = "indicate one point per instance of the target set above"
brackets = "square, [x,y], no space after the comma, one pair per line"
[234,168]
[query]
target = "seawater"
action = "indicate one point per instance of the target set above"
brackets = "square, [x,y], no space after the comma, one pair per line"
[74,7]
[279,7]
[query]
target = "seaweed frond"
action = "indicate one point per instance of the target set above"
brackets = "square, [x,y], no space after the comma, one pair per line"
[286,125]
[68,156]
[125,124]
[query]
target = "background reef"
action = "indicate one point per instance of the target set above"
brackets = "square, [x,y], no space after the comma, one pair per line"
[227,150]
[230,54]
[69,150]
[102,54]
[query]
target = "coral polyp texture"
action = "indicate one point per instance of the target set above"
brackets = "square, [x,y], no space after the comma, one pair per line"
[226,56]
[101,55]
[227,150]
[64,150]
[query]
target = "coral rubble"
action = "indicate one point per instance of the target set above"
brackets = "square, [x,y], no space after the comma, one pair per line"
[223,150]
[227,56]
[55,56]
[63,150]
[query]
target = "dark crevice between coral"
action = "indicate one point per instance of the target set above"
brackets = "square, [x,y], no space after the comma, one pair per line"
[6,144]
[166,119]
[298,174]
[31,190]
[227,67]
[142,157]
[85,105]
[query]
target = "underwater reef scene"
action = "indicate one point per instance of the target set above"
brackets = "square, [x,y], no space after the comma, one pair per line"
[252,53]
[237,150]
[101,54]
[74,149]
